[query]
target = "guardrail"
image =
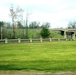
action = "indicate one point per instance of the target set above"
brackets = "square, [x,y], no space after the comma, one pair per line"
[31,40]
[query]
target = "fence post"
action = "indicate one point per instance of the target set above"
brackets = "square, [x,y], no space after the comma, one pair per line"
[50,39]
[58,39]
[30,40]
[40,39]
[6,41]
[19,41]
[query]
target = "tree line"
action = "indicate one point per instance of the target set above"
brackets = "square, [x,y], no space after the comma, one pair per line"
[34,30]
[32,25]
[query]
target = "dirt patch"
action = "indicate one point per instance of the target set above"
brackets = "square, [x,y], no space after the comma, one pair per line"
[35,73]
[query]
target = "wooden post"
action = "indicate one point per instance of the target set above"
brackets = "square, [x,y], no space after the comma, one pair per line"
[19,41]
[30,40]
[6,41]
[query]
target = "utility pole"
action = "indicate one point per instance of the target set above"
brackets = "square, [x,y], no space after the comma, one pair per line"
[27,16]
[27,26]
[1,33]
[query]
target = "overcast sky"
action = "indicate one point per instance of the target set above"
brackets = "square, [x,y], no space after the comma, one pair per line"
[58,12]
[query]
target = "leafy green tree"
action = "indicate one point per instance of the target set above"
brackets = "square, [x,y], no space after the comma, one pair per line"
[1,23]
[45,33]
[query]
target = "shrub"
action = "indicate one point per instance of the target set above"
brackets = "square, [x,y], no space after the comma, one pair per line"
[45,33]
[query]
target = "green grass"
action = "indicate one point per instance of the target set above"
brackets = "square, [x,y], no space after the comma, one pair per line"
[53,56]
[56,35]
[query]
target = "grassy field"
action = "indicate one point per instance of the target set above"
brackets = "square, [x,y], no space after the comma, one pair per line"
[51,57]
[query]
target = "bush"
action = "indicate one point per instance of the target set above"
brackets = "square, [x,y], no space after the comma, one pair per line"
[45,33]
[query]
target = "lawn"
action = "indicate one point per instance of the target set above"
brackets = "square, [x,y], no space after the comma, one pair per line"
[51,57]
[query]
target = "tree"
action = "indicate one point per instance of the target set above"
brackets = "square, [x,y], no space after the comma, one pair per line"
[19,24]
[1,25]
[45,32]
[34,25]
[15,15]
[72,25]
[46,25]
[7,25]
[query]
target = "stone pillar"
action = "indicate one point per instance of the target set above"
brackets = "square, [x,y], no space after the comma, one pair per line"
[19,41]
[6,41]
[65,35]
[40,39]
[50,39]
[58,39]
[30,40]
[73,36]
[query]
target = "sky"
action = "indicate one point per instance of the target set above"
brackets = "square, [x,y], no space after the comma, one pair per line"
[57,12]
